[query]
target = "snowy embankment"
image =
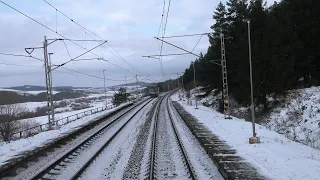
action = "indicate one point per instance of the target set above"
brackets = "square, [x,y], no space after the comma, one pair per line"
[276,157]
[15,148]
[298,116]
[44,119]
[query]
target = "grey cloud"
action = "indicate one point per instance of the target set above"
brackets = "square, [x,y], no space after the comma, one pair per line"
[128,25]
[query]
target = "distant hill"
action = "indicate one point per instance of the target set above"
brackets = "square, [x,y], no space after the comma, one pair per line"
[43,88]
[28,88]
[141,84]
[70,88]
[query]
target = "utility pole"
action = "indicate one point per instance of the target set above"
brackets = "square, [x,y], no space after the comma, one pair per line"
[253,139]
[105,91]
[137,84]
[178,79]
[182,81]
[194,81]
[225,95]
[48,77]
[125,79]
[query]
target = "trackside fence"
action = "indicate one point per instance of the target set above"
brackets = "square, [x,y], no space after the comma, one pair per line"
[65,120]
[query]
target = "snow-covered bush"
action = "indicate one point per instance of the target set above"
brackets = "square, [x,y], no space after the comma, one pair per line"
[8,123]
[29,127]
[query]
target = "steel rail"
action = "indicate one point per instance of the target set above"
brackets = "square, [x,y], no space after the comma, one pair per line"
[87,164]
[183,150]
[57,162]
[153,145]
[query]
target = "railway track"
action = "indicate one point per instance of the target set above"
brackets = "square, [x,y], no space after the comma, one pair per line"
[154,157]
[90,144]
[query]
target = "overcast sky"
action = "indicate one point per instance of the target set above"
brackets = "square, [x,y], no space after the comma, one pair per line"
[129,26]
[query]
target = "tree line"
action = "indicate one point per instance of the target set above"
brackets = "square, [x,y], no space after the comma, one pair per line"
[285,48]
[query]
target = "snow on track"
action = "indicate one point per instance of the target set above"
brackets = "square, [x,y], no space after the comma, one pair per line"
[56,153]
[138,161]
[168,159]
[201,163]
[18,147]
[111,162]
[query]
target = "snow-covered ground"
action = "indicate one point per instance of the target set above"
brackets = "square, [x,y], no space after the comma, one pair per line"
[276,157]
[298,116]
[38,92]
[26,92]
[44,119]
[15,148]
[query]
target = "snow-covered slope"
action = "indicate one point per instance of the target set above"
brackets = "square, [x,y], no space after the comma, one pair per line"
[276,157]
[298,116]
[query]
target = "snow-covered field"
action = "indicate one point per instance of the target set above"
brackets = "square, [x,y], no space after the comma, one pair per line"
[27,92]
[276,157]
[15,148]
[44,119]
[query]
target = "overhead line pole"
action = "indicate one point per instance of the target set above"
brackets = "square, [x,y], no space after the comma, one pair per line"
[105,91]
[48,78]
[225,88]
[125,79]
[194,81]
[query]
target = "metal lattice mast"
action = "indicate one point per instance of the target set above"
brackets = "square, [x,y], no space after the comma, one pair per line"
[224,79]
[47,65]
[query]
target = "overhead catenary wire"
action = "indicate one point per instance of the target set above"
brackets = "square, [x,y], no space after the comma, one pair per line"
[164,32]
[85,29]
[20,65]
[197,43]
[161,22]
[67,49]
[51,29]
[77,57]
[161,26]
[186,35]
[29,66]
[78,72]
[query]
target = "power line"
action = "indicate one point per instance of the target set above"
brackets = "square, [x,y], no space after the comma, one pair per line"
[165,25]
[150,56]
[161,26]
[77,57]
[185,35]
[161,22]
[28,66]
[18,55]
[67,49]
[197,43]
[176,46]
[52,29]
[85,29]
[21,65]
[60,39]
[164,32]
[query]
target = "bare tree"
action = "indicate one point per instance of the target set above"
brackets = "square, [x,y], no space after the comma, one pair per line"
[30,127]
[8,120]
